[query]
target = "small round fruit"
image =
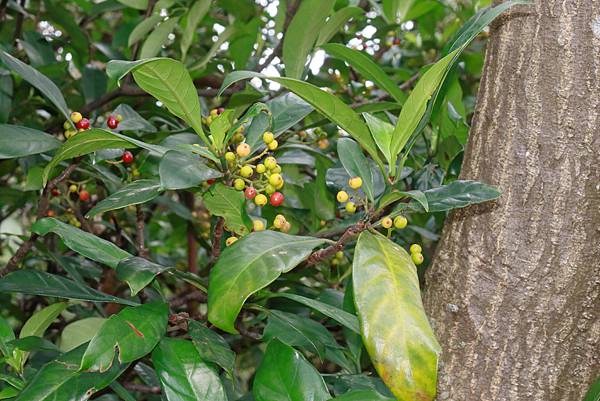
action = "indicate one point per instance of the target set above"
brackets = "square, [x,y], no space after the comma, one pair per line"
[268,137]
[209,120]
[280,185]
[276,169]
[279,221]
[286,227]
[229,241]
[342,196]
[417,258]
[260,168]
[214,112]
[260,200]
[270,162]
[238,137]
[220,110]
[69,133]
[55,192]
[84,124]
[230,156]
[76,117]
[84,196]
[211,181]
[112,122]
[66,125]
[270,189]
[119,117]
[50,213]
[127,157]
[355,182]
[339,255]
[246,171]
[250,192]
[73,188]
[258,225]
[239,184]
[275,179]
[351,207]
[416,248]
[277,199]
[400,222]
[323,143]
[243,150]
[273,145]
[387,222]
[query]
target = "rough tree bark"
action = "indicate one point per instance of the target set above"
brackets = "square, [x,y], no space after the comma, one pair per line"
[514,290]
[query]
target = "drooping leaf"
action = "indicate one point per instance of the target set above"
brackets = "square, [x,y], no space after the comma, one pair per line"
[249,265]
[142,29]
[157,38]
[226,202]
[82,242]
[79,332]
[135,331]
[183,375]
[139,272]
[17,141]
[302,33]
[140,191]
[394,327]
[180,170]
[195,14]
[356,164]
[284,374]
[211,346]
[335,23]
[33,282]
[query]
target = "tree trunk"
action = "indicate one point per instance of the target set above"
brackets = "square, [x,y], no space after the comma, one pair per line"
[514,290]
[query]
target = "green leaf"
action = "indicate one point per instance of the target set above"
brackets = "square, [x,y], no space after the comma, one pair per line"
[394,327]
[336,22]
[302,33]
[342,317]
[138,272]
[82,242]
[79,332]
[211,346]
[356,164]
[157,38]
[34,343]
[250,264]
[63,18]
[135,193]
[396,195]
[183,375]
[382,133]
[60,380]
[137,4]
[226,202]
[395,11]
[362,395]
[143,28]
[37,324]
[180,170]
[195,14]
[132,121]
[367,67]
[39,81]
[6,336]
[221,124]
[284,374]
[134,331]
[33,282]
[16,141]
[593,394]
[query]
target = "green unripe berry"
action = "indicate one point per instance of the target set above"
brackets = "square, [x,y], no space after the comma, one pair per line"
[350,207]
[260,168]
[268,137]
[270,163]
[417,258]
[400,222]
[239,184]
[275,180]
[416,248]
[273,145]
[230,156]
[339,255]
[270,189]
[246,171]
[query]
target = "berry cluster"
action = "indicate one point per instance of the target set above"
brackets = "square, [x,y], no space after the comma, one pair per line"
[342,196]
[82,123]
[399,222]
[212,115]
[415,254]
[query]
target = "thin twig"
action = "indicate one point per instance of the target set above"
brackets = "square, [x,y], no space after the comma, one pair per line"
[331,250]
[141,388]
[218,234]
[139,225]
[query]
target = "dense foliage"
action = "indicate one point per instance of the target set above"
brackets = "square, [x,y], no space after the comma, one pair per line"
[228,200]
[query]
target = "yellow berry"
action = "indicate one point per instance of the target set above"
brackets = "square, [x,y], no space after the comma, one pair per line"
[260,168]
[342,196]
[230,156]
[76,117]
[280,185]
[275,179]
[214,112]
[400,222]
[209,120]
[386,222]
[323,143]
[268,137]
[229,241]
[355,182]
[339,255]
[119,117]
[258,225]
[273,145]
[270,162]
[67,125]
[73,188]
[239,184]
[243,150]
[279,221]
[417,258]
[270,189]
[246,171]
[286,227]
[416,248]
[260,200]
[350,207]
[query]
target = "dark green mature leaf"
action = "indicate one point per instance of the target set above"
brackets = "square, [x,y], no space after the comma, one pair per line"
[249,265]
[362,395]
[157,38]
[302,33]
[285,374]
[342,317]
[35,282]
[82,242]
[139,272]
[16,141]
[132,121]
[33,343]
[396,195]
[183,375]
[134,331]
[335,23]
[394,327]
[6,336]
[226,202]
[180,170]
[140,191]
[211,346]
[38,80]
[367,67]
[287,110]
[593,394]
[356,164]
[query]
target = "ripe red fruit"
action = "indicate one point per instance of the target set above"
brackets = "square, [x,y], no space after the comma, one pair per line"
[210,181]
[112,122]
[84,196]
[250,193]
[220,110]
[55,192]
[397,41]
[277,198]
[84,123]
[127,157]
[50,213]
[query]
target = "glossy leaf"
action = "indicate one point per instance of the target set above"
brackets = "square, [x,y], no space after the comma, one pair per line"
[33,282]
[382,133]
[38,80]
[211,346]
[183,375]
[362,395]
[593,393]
[230,204]
[134,331]
[285,374]
[140,191]
[138,272]
[394,327]
[79,332]
[132,121]
[158,38]
[16,141]
[6,336]
[302,33]
[366,67]
[195,14]
[82,242]
[336,22]
[180,170]
[396,195]
[356,164]
[252,263]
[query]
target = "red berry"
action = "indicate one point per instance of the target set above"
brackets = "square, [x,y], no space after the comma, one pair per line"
[250,193]
[127,157]
[397,41]
[112,122]
[220,110]
[277,198]
[55,192]
[50,213]
[84,123]
[210,181]
[84,196]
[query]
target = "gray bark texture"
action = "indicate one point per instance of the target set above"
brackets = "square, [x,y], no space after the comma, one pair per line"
[513,293]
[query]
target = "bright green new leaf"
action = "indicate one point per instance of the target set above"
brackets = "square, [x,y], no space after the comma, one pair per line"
[142,29]
[335,23]
[6,336]
[17,141]
[79,332]
[382,132]
[195,14]
[356,164]
[157,38]
[139,272]
[137,192]
[226,202]
[250,264]
[394,327]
